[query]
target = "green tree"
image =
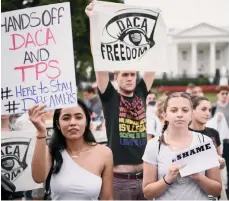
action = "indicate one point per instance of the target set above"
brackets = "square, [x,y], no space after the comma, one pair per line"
[80,30]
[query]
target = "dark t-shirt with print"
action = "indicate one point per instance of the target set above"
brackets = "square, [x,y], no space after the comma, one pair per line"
[126,123]
[212,133]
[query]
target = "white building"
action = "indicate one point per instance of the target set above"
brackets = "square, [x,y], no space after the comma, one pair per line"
[198,50]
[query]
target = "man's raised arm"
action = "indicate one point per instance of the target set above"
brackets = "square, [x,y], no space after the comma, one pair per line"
[102,77]
[148,78]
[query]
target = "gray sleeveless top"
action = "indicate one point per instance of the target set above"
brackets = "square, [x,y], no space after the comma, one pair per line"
[74,182]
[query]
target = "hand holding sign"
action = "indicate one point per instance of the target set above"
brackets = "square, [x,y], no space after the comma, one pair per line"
[173,172]
[36,116]
[89,9]
[222,162]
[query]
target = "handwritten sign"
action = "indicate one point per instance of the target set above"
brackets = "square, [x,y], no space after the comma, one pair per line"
[197,159]
[128,37]
[17,149]
[37,58]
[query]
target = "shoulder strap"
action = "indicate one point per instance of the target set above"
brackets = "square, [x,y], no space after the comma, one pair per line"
[159,146]
[213,110]
[202,137]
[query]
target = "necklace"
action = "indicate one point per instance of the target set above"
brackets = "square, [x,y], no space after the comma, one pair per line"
[75,156]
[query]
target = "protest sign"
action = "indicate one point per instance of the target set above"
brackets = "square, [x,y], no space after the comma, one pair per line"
[37,58]
[17,149]
[197,159]
[125,37]
[98,129]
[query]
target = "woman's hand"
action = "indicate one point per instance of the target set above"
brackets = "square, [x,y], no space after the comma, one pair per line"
[195,176]
[36,116]
[173,172]
[89,9]
[221,162]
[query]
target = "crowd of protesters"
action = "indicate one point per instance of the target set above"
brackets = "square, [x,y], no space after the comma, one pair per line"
[143,131]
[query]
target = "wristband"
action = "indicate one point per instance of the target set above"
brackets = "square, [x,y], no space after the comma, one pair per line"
[38,137]
[166,181]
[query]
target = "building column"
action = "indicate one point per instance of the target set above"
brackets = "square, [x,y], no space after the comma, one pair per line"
[228,57]
[175,51]
[212,60]
[194,60]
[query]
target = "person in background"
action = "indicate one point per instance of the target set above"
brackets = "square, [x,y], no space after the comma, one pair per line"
[161,179]
[189,89]
[222,106]
[154,125]
[7,126]
[197,91]
[151,107]
[93,102]
[201,114]
[80,168]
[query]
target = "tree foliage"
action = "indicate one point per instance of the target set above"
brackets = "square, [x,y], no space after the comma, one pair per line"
[80,30]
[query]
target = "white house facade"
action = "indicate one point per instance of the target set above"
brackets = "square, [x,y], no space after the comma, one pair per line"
[199,50]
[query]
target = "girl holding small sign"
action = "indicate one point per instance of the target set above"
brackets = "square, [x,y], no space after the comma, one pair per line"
[161,179]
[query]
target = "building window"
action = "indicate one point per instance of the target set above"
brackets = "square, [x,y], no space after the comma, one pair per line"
[218,54]
[201,55]
[184,55]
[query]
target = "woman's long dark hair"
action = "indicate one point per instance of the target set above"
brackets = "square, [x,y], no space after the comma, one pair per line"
[58,143]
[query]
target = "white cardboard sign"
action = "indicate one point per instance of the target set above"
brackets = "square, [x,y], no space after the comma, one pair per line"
[128,37]
[37,58]
[197,159]
[17,149]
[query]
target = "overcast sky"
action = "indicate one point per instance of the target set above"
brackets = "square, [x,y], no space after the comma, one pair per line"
[187,13]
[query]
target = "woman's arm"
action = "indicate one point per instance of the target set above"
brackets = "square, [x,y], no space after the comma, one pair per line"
[107,176]
[41,162]
[150,186]
[211,183]
[219,152]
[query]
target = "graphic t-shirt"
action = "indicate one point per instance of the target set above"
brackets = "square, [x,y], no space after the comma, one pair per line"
[212,133]
[125,119]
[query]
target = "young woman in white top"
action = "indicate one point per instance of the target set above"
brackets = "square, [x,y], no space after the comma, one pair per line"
[82,169]
[161,179]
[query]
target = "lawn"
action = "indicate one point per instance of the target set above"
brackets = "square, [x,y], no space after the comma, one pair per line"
[211,97]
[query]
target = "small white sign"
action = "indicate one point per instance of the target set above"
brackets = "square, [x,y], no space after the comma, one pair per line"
[17,149]
[197,159]
[37,58]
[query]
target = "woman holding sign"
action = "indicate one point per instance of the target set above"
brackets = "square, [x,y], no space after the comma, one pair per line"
[161,179]
[80,168]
